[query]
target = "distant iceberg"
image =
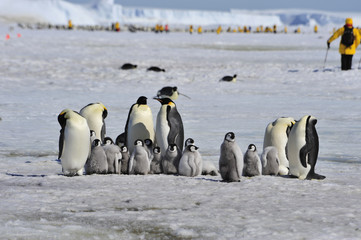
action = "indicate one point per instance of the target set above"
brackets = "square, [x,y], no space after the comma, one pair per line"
[105,12]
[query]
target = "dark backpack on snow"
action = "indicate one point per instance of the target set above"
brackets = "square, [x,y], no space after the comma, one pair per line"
[348,38]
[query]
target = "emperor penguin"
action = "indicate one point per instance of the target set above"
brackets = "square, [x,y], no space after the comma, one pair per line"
[92,136]
[208,168]
[128,66]
[231,159]
[95,113]
[170,161]
[97,161]
[252,162]
[139,124]
[229,78]
[139,162]
[189,141]
[155,69]
[74,142]
[169,126]
[270,161]
[155,165]
[276,135]
[303,146]
[113,155]
[124,161]
[190,164]
[170,92]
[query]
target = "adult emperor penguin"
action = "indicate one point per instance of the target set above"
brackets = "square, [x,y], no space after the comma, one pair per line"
[169,127]
[231,159]
[113,155]
[170,92]
[303,146]
[95,113]
[155,165]
[97,162]
[139,123]
[252,162]
[229,78]
[139,162]
[276,135]
[190,164]
[170,161]
[270,161]
[74,142]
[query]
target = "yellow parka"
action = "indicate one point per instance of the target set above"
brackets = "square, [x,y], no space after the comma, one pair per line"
[351,50]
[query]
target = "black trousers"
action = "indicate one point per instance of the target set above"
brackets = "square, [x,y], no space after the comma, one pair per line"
[346,62]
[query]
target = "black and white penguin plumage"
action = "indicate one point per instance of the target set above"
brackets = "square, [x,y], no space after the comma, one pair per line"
[92,136]
[97,161]
[189,141]
[270,161]
[139,162]
[120,140]
[124,160]
[276,135]
[139,124]
[113,155]
[95,113]
[229,78]
[74,142]
[170,92]
[191,163]
[169,126]
[252,165]
[156,69]
[231,159]
[128,66]
[156,163]
[170,161]
[148,144]
[303,146]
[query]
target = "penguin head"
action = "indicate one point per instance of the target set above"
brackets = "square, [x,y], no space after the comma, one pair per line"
[192,148]
[252,147]
[108,140]
[97,142]
[92,133]
[142,100]
[148,142]
[67,114]
[123,149]
[189,141]
[172,147]
[138,142]
[235,75]
[156,150]
[230,137]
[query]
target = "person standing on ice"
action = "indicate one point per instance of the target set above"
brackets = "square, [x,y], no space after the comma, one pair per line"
[349,41]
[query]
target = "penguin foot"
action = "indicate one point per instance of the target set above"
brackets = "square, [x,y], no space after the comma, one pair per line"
[315,176]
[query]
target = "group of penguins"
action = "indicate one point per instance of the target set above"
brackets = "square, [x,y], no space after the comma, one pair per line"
[290,147]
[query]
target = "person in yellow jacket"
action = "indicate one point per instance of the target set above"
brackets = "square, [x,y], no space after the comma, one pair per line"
[349,41]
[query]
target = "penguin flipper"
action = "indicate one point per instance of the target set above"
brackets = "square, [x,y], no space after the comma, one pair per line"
[303,156]
[61,143]
[176,132]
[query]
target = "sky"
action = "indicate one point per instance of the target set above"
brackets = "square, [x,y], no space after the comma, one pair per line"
[225,5]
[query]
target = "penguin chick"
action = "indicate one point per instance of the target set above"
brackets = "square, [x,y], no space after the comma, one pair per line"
[74,142]
[155,165]
[270,161]
[208,168]
[124,160]
[188,142]
[149,147]
[95,113]
[252,163]
[190,164]
[139,162]
[97,162]
[231,159]
[113,155]
[170,161]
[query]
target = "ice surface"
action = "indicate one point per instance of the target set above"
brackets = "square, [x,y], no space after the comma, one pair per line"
[45,71]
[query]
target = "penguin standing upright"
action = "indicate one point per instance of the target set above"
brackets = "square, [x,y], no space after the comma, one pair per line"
[97,161]
[139,124]
[95,113]
[252,162]
[303,146]
[170,161]
[270,161]
[113,154]
[124,160]
[231,159]
[74,142]
[155,165]
[139,162]
[169,127]
[276,135]
[191,163]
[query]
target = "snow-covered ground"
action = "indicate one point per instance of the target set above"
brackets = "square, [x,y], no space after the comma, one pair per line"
[43,72]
